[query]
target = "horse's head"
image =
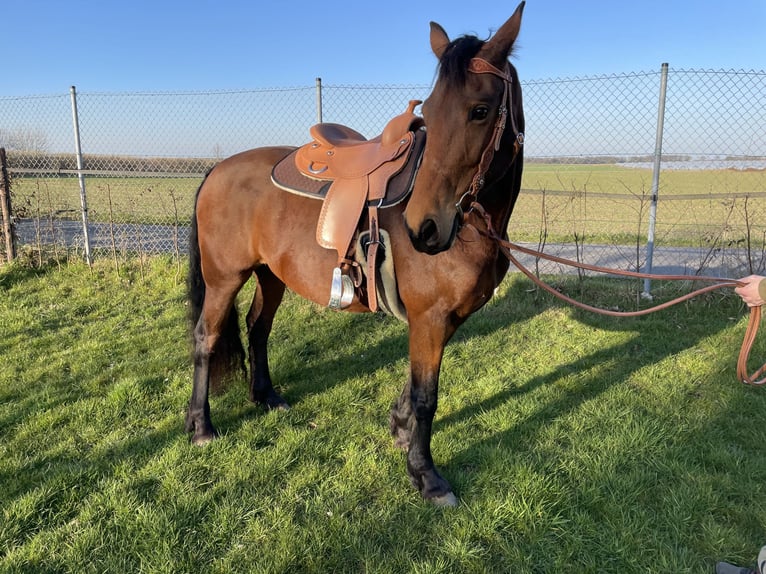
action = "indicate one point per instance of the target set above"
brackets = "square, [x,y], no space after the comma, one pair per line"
[474,125]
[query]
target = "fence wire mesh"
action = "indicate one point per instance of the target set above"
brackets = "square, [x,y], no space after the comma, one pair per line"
[589,171]
[586,193]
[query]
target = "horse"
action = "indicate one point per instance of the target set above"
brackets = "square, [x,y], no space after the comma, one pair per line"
[244,226]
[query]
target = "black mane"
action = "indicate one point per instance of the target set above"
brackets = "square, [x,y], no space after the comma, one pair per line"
[454,62]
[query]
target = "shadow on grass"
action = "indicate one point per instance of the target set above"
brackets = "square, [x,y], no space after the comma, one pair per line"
[712,469]
[660,336]
[329,353]
[319,360]
[15,273]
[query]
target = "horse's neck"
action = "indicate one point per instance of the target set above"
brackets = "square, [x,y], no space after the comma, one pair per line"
[500,197]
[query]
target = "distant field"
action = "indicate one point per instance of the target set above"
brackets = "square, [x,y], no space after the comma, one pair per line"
[613,178]
[593,203]
[122,199]
[610,204]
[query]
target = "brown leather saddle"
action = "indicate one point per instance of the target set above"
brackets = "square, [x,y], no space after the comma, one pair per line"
[351,174]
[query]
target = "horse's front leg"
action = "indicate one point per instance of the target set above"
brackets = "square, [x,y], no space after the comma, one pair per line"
[399,423]
[413,414]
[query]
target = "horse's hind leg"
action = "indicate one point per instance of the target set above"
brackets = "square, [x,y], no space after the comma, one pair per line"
[260,318]
[399,421]
[209,329]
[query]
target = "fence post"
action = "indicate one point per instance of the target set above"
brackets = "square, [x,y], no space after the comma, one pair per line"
[655,178]
[80,175]
[5,204]
[319,100]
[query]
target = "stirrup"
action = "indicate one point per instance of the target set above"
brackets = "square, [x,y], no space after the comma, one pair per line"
[342,290]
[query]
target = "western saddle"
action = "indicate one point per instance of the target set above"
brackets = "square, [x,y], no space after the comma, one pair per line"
[351,173]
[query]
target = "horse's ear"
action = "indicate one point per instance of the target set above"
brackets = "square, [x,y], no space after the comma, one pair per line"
[439,40]
[498,48]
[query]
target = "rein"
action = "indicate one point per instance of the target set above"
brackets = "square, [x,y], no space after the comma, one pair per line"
[506,247]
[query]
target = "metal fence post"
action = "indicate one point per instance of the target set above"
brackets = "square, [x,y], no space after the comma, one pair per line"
[80,176]
[319,100]
[5,204]
[655,179]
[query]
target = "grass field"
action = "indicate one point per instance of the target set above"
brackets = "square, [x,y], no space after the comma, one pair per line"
[576,443]
[163,200]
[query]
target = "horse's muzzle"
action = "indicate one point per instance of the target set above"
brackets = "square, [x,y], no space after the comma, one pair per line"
[428,239]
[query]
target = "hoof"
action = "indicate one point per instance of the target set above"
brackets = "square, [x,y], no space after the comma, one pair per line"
[277,406]
[272,402]
[202,433]
[447,500]
[203,439]
[202,430]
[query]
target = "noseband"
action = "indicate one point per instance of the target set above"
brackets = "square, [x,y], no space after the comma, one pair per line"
[481,66]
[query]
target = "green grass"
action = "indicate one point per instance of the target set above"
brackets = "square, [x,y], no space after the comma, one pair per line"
[613,178]
[576,443]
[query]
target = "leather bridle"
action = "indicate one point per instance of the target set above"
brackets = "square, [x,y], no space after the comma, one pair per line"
[481,66]
[469,200]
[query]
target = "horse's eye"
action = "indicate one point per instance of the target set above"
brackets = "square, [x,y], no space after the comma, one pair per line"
[479,113]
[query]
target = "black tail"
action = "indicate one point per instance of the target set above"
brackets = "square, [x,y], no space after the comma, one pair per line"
[195,284]
[228,357]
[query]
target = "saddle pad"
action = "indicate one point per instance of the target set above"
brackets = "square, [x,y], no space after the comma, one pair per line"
[287,177]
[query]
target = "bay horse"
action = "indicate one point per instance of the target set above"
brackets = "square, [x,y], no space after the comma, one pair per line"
[244,226]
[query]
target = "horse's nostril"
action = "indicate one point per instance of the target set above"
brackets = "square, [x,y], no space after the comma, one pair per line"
[428,239]
[429,232]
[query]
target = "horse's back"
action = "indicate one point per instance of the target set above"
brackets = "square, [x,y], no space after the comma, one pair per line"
[235,186]
[243,170]
[245,221]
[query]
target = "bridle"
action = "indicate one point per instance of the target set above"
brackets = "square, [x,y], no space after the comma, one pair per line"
[481,66]
[468,203]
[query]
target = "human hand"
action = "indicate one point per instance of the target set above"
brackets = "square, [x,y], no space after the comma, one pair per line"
[750,292]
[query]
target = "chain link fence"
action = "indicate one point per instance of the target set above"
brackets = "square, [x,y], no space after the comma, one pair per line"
[591,179]
[591,189]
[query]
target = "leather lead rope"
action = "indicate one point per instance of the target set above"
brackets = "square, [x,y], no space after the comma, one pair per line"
[744,352]
[719,282]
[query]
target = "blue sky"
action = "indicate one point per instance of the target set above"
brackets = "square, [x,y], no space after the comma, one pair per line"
[137,45]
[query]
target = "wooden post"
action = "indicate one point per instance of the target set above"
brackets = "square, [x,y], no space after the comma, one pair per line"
[5,204]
